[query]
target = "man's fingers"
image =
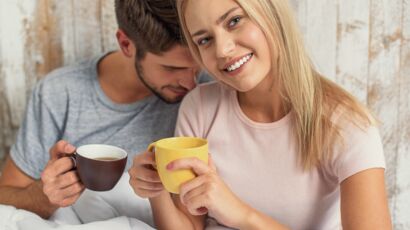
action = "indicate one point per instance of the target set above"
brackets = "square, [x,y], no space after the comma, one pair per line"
[59,167]
[57,195]
[60,149]
[149,186]
[70,200]
[67,179]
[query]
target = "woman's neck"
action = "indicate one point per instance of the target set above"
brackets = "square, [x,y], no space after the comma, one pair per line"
[263,103]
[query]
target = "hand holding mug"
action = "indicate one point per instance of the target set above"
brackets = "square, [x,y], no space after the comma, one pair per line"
[144,178]
[169,149]
[208,193]
[61,185]
[96,167]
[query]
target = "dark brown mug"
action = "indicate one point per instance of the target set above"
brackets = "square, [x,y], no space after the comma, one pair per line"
[99,166]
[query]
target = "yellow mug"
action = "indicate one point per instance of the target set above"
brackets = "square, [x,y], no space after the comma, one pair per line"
[173,148]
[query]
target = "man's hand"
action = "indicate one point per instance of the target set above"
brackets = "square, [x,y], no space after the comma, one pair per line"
[61,184]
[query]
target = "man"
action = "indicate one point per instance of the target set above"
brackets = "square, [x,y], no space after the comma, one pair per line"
[127,98]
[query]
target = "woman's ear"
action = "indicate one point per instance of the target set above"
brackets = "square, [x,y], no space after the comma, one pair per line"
[126,45]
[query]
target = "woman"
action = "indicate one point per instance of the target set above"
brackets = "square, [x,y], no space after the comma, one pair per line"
[289,148]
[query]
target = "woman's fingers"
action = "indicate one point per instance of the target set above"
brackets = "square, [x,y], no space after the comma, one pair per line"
[199,167]
[149,185]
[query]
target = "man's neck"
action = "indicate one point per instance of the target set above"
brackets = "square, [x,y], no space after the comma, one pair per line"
[119,80]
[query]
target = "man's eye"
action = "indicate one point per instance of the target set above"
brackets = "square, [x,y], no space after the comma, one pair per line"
[234,21]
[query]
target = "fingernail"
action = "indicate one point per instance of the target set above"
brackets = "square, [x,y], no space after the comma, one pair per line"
[69,148]
[170,166]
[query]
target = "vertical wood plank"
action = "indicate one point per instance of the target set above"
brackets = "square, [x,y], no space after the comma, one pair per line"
[67,32]
[352,48]
[87,28]
[321,36]
[402,198]
[13,74]
[384,66]
[81,29]
[300,8]
[109,26]
[3,101]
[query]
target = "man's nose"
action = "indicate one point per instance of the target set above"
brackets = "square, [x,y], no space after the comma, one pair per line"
[189,80]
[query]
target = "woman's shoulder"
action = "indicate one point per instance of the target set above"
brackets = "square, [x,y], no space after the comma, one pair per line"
[207,93]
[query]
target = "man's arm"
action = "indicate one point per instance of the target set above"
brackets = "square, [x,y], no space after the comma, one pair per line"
[23,192]
[59,185]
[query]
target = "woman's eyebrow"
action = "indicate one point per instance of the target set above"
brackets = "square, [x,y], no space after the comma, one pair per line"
[218,21]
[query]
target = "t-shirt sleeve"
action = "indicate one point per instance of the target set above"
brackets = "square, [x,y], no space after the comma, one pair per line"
[38,132]
[189,121]
[359,150]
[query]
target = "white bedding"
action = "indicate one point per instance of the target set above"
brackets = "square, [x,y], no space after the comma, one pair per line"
[118,209]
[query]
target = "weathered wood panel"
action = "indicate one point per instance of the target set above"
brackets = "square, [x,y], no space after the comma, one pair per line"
[319,27]
[363,45]
[401,198]
[383,79]
[15,78]
[352,46]
[109,26]
[81,30]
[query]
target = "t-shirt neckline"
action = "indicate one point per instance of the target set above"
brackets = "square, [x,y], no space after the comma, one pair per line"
[254,124]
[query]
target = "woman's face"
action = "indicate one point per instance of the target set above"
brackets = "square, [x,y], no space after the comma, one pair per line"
[231,46]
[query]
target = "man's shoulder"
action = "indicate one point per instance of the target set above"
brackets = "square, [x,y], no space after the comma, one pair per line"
[71,73]
[66,77]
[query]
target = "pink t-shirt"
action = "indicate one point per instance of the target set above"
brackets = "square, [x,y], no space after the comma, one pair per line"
[258,161]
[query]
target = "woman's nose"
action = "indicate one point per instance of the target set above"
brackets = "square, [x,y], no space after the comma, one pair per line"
[225,46]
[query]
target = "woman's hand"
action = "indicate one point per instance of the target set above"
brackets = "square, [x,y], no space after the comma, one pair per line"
[207,193]
[144,179]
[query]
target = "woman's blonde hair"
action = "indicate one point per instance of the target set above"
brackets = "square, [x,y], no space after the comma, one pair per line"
[312,98]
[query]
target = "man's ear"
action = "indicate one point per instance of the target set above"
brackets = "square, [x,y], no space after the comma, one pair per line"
[126,45]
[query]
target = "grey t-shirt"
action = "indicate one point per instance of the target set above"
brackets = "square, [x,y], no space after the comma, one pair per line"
[70,105]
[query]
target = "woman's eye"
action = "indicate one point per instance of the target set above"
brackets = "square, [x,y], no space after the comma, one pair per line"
[203,41]
[234,21]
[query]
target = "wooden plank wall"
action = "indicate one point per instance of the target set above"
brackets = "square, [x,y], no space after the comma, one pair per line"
[362,44]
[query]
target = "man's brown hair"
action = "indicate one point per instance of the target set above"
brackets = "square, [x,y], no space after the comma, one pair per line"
[151,24]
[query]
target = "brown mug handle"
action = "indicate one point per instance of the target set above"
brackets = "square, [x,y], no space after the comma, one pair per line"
[73,158]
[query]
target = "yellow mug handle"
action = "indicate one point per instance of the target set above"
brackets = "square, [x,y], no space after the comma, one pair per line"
[150,148]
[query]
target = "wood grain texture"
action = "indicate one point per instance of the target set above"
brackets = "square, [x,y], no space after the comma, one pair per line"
[321,35]
[108,26]
[383,80]
[363,45]
[14,80]
[352,46]
[401,199]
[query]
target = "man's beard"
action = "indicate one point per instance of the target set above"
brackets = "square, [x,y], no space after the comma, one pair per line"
[141,76]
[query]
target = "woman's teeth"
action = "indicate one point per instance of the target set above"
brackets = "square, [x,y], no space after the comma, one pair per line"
[239,63]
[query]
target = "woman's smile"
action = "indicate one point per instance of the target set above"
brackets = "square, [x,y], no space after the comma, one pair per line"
[237,65]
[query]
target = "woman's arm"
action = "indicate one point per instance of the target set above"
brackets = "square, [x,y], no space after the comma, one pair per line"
[364,202]
[207,193]
[169,215]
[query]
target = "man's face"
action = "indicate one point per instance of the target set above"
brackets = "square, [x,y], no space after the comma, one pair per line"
[170,75]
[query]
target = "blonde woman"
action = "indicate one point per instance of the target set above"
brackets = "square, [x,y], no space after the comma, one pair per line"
[289,148]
